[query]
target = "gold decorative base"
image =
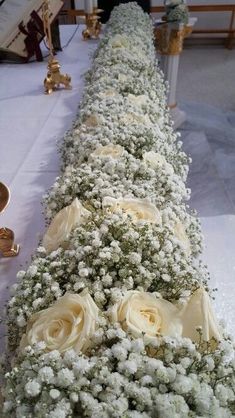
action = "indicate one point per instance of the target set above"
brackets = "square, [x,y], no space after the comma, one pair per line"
[169,41]
[4,196]
[93,26]
[7,246]
[54,77]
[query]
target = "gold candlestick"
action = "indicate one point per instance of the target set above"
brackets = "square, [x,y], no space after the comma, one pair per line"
[7,246]
[54,77]
[93,25]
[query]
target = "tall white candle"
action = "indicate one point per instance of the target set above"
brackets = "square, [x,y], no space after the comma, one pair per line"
[88,6]
[95,4]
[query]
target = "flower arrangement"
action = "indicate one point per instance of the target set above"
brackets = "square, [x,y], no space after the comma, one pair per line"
[113,318]
[176,11]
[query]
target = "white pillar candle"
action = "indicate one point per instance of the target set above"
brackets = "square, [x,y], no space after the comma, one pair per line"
[88,6]
[95,4]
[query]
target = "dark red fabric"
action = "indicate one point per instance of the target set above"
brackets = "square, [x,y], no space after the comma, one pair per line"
[34,34]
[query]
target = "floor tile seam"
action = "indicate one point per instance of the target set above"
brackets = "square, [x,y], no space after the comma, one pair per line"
[228,194]
[221,180]
[219,177]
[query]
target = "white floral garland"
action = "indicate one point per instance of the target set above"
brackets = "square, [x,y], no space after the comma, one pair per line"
[112,317]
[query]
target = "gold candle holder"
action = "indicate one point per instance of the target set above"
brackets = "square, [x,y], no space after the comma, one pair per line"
[7,246]
[93,25]
[54,77]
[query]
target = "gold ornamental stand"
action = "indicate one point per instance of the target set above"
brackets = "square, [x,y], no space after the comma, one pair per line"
[54,77]
[93,25]
[7,246]
[169,39]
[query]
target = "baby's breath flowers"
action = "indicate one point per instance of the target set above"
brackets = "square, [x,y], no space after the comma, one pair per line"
[108,254]
[99,323]
[121,378]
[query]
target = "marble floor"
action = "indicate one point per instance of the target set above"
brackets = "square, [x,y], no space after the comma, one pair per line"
[209,138]
[206,75]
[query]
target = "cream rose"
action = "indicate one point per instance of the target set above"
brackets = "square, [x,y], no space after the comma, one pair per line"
[180,234]
[111,150]
[138,209]
[108,93]
[137,100]
[119,41]
[65,220]
[156,160]
[68,324]
[122,78]
[130,118]
[92,121]
[141,313]
[198,312]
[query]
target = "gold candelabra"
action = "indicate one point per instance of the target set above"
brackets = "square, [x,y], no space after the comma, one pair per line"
[54,77]
[7,246]
[93,25]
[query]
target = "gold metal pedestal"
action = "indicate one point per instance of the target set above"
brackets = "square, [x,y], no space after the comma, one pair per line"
[93,25]
[169,44]
[7,246]
[54,77]
[169,41]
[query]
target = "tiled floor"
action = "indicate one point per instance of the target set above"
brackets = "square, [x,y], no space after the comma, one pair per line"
[206,75]
[209,138]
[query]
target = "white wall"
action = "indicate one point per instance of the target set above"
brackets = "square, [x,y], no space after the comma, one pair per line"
[210,19]
[79,4]
[205,20]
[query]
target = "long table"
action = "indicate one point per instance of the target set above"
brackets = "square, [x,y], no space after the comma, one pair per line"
[31,123]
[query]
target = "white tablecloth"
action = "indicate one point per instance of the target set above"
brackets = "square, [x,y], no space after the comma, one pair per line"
[30,125]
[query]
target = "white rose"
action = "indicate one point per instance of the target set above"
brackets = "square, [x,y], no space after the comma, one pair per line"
[68,324]
[65,220]
[119,41]
[156,160]
[114,151]
[180,234]
[108,93]
[140,312]
[138,209]
[199,313]
[122,78]
[130,118]
[137,100]
[92,121]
